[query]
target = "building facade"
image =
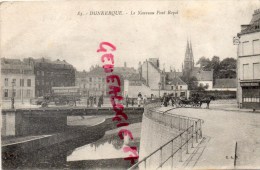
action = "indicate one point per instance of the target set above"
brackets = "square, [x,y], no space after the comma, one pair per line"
[50,74]
[154,77]
[92,83]
[248,64]
[17,80]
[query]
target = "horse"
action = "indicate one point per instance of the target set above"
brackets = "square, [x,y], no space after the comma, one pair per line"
[206,100]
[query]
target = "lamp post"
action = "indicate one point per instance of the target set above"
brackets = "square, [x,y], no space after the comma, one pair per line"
[159,84]
[12,98]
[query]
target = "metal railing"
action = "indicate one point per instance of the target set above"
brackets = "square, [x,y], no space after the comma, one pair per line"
[189,130]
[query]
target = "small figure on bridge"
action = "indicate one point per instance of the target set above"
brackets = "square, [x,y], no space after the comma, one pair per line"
[88,102]
[133,101]
[100,101]
[139,99]
[126,100]
[145,99]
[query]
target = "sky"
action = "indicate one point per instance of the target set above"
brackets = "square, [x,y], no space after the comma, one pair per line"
[54,30]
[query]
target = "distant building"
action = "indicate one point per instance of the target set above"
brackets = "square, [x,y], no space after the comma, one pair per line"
[154,77]
[82,81]
[225,85]
[50,74]
[176,85]
[204,77]
[93,83]
[17,79]
[159,81]
[249,63]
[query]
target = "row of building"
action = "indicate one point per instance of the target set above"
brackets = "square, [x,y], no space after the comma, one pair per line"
[32,78]
[29,78]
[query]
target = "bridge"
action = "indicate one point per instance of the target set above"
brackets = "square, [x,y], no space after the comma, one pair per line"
[41,130]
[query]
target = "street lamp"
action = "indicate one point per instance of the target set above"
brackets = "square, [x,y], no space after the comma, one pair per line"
[12,98]
[159,84]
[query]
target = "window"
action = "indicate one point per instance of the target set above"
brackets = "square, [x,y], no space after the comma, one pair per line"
[6,81]
[172,87]
[42,73]
[6,92]
[90,79]
[14,82]
[28,93]
[256,70]
[21,82]
[38,73]
[180,87]
[246,71]
[246,50]
[99,86]
[256,46]
[176,87]
[29,83]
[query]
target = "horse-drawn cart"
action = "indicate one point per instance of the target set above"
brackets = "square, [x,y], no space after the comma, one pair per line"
[192,102]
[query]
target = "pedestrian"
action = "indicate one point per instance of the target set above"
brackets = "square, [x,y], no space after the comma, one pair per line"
[139,101]
[88,102]
[95,101]
[145,99]
[126,100]
[99,101]
[133,101]
[102,99]
[91,101]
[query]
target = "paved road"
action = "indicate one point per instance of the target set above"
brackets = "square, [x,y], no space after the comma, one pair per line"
[223,129]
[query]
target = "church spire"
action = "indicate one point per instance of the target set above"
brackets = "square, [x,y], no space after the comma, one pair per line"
[187,53]
[191,55]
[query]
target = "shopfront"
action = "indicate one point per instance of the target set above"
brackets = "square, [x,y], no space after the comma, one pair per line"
[250,95]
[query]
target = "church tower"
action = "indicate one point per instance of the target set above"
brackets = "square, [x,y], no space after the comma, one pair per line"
[188,60]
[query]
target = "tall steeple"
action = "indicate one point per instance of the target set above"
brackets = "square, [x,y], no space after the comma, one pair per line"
[187,53]
[191,55]
[188,60]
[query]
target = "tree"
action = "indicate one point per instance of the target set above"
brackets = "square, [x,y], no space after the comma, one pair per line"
[228,68]
[221,69]
[204,63]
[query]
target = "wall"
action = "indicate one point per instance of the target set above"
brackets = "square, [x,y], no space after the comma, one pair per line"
[22,122]
[133,91]
[153,75]
[155,135]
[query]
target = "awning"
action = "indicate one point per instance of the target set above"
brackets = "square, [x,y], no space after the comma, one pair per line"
[251,84]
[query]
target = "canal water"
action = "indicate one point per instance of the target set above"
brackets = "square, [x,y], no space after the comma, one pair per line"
[105,153]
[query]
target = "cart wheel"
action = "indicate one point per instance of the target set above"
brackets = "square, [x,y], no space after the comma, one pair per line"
[44,104]
[71,103]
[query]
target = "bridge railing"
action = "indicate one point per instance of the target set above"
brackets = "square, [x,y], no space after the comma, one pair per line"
[190,131]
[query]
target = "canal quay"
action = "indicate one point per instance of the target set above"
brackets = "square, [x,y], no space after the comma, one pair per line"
[166,137]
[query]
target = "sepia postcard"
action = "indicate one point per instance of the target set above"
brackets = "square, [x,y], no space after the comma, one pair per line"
[130,84]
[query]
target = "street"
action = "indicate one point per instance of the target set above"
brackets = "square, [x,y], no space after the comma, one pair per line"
[223,128]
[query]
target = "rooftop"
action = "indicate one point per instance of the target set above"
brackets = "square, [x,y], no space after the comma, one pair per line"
[253,26]
[175,81]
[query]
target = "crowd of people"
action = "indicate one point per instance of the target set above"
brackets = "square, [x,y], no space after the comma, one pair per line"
[92,101]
